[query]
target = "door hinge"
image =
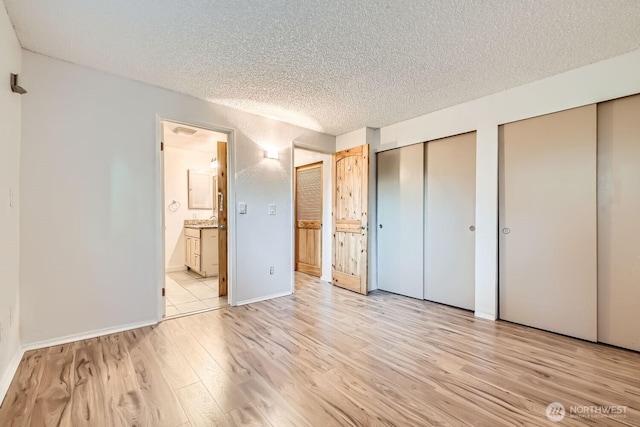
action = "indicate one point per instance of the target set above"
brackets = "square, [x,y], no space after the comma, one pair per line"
[163,291]
[161,146]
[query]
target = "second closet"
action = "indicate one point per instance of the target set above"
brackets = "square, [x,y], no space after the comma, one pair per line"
[426,216]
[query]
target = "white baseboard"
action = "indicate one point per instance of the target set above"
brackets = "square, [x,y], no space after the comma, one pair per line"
[487,316]
[174,269]
[9,373]
[252,300]
[86,335]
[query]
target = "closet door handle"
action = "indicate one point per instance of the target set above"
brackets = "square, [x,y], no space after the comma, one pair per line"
[380,226]
[221,204]
[506,230]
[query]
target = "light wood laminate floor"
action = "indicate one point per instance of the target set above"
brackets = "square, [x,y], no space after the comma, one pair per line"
[324,357]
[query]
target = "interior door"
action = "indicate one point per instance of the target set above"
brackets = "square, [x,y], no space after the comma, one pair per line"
[548,252]
[450,218]
[308,218]
[401,220]
[350,188]
[222,219]
[618,216]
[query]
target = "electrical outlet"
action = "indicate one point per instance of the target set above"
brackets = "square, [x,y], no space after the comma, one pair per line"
[271,270]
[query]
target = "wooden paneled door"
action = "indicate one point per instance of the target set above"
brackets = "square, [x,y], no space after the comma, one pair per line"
[350,225]
[548,244]
[308,218]
[222,219]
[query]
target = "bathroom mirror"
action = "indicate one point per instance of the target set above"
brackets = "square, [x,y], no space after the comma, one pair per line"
[200,187]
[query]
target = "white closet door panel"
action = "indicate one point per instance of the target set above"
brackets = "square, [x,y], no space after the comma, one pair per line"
[548,276]
[400,216]
[450,221]
[619,222]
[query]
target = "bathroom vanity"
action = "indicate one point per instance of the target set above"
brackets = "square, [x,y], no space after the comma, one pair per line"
[201,247]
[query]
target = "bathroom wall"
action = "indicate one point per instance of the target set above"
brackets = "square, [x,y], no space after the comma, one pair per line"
[177,162]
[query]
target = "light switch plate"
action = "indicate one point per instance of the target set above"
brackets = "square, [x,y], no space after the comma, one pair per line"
[242,208]
[272,209]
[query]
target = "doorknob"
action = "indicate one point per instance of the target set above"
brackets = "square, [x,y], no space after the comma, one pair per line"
[380,226]
[506,230]
[472,228]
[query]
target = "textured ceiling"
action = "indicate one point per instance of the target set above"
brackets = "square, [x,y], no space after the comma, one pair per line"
[331,65]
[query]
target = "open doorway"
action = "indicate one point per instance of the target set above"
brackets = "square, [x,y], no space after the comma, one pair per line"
[195,219]
[312,213]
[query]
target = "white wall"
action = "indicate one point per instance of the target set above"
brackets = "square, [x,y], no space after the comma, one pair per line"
[177,162]
[10,62]
[303,157]
[613,78]
[353,139]
[91,226]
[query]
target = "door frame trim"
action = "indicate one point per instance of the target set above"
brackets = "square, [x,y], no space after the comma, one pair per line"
[160,213]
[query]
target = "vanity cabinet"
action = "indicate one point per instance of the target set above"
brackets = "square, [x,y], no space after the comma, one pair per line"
[201,250]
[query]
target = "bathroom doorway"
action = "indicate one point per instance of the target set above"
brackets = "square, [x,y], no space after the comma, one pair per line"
[195,219]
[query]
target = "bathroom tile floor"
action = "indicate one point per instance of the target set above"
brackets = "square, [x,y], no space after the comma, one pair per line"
[188,292]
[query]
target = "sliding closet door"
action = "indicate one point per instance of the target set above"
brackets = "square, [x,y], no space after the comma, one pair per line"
[548,252]
[618,222]
[400,220]
[450,218]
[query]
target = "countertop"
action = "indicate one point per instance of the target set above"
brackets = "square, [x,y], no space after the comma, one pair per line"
[199,223]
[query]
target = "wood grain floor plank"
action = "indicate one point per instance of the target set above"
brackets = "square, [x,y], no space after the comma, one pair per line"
[124,398]
[17,406]
[248,416]
[159,399]
[173,364]
[272,405]
[227,394]
[324,357]
[89,399]
[53,397]
[200,407]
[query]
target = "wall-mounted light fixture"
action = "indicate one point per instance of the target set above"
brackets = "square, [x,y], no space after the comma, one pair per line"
[14,85]
[271,154]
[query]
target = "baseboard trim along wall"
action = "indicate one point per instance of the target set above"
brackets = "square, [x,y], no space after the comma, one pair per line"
[487,316]
[7,376]
[252,300]
[86,335]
